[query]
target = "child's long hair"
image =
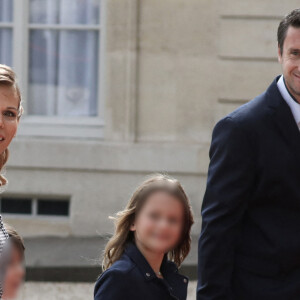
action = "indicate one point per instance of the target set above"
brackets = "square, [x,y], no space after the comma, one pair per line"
[124,219]
[16,240]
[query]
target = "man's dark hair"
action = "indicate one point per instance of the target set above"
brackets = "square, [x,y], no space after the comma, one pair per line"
[292,19]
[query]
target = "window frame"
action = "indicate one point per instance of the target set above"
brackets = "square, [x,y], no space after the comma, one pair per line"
[55,126]
[8,25]
[34,208]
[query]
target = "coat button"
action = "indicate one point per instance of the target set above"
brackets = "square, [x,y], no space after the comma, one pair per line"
[185,280]
[148,274]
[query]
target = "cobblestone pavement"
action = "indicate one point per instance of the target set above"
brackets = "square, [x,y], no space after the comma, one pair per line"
[69,291]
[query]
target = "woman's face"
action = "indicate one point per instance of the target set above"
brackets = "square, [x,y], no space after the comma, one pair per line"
[14,275]
[9,120]
[158,225]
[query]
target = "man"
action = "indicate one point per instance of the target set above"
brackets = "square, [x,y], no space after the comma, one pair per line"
[249,247]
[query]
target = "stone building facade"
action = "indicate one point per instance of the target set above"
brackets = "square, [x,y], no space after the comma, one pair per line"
[169,70]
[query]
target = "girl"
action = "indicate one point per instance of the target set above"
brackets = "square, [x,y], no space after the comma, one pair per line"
[10,113]
[15,271]
[151,239]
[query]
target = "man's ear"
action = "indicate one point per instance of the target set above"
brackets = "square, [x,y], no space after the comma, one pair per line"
[279,54]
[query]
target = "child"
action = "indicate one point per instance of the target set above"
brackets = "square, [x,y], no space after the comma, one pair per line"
[151,239]
[4,253]
[15,271]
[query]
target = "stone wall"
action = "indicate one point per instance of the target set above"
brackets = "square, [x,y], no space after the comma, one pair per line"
[172,68]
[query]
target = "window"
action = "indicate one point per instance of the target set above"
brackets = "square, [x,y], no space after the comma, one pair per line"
[35,206]
[6,25]
[16,206]
[55,48]
[48,207]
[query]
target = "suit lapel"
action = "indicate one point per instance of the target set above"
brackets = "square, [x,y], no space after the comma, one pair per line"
[283,118]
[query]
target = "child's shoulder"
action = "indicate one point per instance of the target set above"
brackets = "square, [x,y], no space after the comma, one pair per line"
[120,268]
[119,274]
[122,265]
[115,276]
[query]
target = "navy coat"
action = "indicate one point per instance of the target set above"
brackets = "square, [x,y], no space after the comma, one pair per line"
[249,247]
[132,278]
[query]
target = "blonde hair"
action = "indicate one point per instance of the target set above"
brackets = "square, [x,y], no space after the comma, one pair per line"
[123,220]
[8,78]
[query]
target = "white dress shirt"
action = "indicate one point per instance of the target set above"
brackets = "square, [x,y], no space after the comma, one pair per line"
[294,106]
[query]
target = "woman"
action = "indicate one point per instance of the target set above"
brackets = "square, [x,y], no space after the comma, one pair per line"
[10,113]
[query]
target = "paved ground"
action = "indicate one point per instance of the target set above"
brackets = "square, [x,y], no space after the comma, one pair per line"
[68,291]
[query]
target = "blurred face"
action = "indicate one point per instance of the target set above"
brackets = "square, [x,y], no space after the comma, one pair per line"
[158,225]
[14,275]
[8,116]
[290,61]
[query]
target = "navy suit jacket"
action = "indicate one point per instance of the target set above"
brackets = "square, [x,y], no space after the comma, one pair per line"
[249,247]
[132,278]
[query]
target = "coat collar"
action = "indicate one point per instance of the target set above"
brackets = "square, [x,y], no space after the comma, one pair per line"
[134,253]
[283,117]
[175,283]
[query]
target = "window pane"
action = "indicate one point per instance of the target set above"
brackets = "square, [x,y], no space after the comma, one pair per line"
[64,11]
[6,10]
[6,46]
[53,207]
[6,16]
[63,72]
[16,206]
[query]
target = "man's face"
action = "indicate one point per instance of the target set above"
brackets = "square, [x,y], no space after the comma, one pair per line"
[290,61]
